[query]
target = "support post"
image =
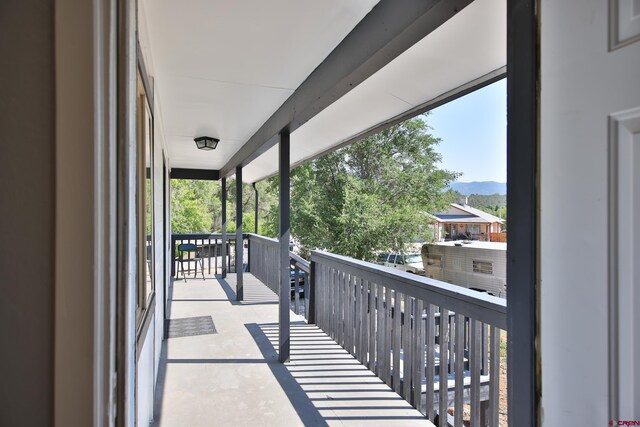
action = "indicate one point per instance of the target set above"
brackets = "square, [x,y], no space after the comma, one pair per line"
[255,189]
[284,343]
[239,243]
[223,252]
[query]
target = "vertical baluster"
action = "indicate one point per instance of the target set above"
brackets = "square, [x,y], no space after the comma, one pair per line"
[379,329]
[485,349]
[397,336]
[431,360]
[372,325]
[451,321]
[475,364]
[388,323]
[444,366]
[459,369]
[346,311]
[339,301]
[357,338]
[406,349]
[306,295]
[215,258]
[494,381]
[209,254]
[336,304]
[418,355]
[296,291]
[331,319]
[350,310]
[364,332]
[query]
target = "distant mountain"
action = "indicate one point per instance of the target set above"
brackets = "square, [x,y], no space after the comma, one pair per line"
[485,188]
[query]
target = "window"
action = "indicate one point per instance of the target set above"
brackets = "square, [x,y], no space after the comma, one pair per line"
[145,201]
[434,260]
[484,267]
[392,259]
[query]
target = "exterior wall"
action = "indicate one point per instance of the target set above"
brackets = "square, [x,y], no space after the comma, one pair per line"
[27,191]
[145,379]
[149,360]
[457,267]
[582,84]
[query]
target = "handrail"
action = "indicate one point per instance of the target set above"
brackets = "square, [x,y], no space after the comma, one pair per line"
[296,260]
[299,262]
[207,241]
[264,265]
[436,344]
[481,306]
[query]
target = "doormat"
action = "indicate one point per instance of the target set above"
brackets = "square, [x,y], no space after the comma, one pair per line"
[189,326]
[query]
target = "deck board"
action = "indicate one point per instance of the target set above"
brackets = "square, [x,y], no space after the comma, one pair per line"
[233,377]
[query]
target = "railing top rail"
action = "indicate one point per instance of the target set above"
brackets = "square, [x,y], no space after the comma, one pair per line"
[477,305]
[210,236]
[300,262]
[267,240]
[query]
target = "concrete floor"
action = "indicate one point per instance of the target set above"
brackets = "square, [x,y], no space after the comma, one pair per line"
[233,378]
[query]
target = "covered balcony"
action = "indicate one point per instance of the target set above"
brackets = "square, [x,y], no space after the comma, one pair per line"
[274,85]
[366,344]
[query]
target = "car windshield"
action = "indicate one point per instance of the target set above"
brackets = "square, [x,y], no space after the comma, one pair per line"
[412,259]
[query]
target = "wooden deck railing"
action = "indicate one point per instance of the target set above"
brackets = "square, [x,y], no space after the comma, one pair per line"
[392,322]
[263,261]
[209,249]
[436,344]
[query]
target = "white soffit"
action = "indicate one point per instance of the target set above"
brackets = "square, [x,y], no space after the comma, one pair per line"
[223,67]
[468,46]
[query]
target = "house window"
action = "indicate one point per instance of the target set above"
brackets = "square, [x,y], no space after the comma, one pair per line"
[145,201]
[484,267]
[434,260]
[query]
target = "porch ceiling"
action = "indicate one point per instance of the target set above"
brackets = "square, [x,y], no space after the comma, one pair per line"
[223,68]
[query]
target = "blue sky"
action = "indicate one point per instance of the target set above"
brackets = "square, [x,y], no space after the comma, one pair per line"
[473,130]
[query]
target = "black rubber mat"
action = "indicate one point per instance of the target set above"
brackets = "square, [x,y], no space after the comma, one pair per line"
[189,326]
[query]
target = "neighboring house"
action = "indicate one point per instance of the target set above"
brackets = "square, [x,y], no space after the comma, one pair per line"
[464,222]
[475,265]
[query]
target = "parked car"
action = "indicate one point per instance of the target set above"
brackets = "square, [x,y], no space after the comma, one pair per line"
[411,263]
[382,258]
[292,277]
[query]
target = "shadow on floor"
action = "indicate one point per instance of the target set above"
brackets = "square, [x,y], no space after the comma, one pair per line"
[254,293]
[324,382]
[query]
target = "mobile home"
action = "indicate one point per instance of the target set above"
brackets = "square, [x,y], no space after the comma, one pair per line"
[473,264]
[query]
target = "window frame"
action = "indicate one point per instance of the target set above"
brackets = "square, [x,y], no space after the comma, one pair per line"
[480,268]
[145,146]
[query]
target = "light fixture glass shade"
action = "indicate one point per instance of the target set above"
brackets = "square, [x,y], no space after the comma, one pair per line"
[206,142]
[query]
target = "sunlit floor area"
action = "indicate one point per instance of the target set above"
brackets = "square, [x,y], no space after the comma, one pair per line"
[233,377]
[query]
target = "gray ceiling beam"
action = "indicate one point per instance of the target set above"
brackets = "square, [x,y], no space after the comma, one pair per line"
[388,30]
[198,174]
[431,104]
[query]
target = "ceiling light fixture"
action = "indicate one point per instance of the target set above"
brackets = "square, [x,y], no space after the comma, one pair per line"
[206,142]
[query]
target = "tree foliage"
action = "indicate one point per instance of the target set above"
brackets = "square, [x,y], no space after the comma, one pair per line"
[196,206]
[370,196]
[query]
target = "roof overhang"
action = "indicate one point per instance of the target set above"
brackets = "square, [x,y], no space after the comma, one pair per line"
[330,75]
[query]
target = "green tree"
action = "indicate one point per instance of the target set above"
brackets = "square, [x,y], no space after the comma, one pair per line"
[370,196]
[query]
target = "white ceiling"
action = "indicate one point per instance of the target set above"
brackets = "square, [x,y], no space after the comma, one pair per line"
[222,68]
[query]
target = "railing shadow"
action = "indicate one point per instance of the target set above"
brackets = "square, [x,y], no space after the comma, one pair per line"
[254,294]
[325,383]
